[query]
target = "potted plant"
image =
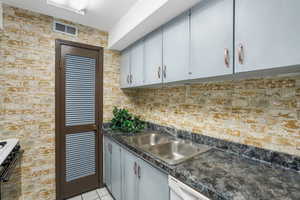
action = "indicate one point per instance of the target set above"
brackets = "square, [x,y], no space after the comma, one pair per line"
[126,122]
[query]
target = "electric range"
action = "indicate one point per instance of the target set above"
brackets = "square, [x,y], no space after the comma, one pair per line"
[9,154]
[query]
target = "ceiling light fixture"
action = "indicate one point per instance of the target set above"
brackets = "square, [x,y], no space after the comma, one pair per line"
[77,6]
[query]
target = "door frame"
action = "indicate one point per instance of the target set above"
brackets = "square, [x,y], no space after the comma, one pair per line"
[58,115]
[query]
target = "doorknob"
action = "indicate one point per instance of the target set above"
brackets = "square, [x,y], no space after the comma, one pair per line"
[95,127]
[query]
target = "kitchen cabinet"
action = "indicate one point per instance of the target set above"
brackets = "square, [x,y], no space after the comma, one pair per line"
[211,39]
[125,76]
[176,49]
[142,181]
[217,38]
[130,176]
[266,34]
[153,58]
[137,64]
[107,163]
[116,171]
[152,183]
[113,168]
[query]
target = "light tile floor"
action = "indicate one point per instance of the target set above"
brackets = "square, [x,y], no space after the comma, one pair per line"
[99,194]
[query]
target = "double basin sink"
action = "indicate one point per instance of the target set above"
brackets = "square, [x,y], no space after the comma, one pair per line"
[166,148]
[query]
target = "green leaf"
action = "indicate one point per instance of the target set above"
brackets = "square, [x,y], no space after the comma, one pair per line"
[125,121]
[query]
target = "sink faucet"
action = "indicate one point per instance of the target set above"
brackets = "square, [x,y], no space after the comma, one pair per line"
[172,132]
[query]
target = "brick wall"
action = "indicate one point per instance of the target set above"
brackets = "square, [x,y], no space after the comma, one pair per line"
[27,98]
[259,112]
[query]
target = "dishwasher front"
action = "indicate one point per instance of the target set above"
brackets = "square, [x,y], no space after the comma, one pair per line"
[180,191]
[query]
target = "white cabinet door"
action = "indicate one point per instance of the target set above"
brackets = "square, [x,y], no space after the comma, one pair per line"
[211,39]
[152,183]
[176,49]
[107,163]
[116,171]
[153,58]
[267,34]
[125,69]
[137,63]
[130,176]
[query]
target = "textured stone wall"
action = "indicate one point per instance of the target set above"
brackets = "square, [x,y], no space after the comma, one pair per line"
[27,98]
[259,112]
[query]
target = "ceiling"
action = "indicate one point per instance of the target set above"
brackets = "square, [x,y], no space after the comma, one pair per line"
[101,14]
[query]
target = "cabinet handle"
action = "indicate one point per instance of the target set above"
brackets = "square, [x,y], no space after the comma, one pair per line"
[241,54]
[226,57]
[158,72]
[165,71]
[128,79]
[134,168]
[109,148]
[131,78]
[139,172]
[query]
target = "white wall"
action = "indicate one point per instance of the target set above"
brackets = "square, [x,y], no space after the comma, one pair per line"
[144,17]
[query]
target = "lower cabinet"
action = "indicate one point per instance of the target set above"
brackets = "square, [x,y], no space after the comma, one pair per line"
[133,178]
[112,168]
[116,171]
[107,162]
[152,183]
[130,176]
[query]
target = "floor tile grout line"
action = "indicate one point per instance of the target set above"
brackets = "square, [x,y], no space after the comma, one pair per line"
[98,193]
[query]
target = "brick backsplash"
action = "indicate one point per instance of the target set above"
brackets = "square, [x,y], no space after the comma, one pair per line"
[262,112]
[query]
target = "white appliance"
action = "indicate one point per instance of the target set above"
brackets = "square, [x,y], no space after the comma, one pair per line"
[180,191]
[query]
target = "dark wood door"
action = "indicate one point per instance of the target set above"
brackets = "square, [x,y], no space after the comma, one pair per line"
[79,86]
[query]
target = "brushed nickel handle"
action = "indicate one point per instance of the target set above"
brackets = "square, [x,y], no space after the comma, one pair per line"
[110,148]
[241,54]
[158,72]
[131,78]
[134,168]
[226,57]
[128,78]
[165,71]
[139,172]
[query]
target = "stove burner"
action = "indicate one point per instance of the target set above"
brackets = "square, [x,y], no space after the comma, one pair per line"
[2,144]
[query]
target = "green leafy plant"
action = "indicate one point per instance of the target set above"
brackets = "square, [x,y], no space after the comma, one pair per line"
[126,122]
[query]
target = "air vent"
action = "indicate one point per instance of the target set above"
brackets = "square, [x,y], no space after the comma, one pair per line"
[64,28]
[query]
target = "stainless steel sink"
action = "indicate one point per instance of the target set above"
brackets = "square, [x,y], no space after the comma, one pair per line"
[149,139]
[175,152]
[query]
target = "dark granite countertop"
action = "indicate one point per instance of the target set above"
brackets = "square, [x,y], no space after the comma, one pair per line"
[221,175]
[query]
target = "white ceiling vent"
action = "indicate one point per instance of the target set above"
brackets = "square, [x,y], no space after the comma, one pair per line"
[64,28]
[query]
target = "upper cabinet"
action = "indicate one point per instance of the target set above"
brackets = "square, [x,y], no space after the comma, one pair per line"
[211,39]
[267,34]
[153,58]
[217,38]
[125,69]
[137,64]
[176,49]
[132,66]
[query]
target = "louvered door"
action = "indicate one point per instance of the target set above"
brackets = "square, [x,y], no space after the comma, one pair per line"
[79,118]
